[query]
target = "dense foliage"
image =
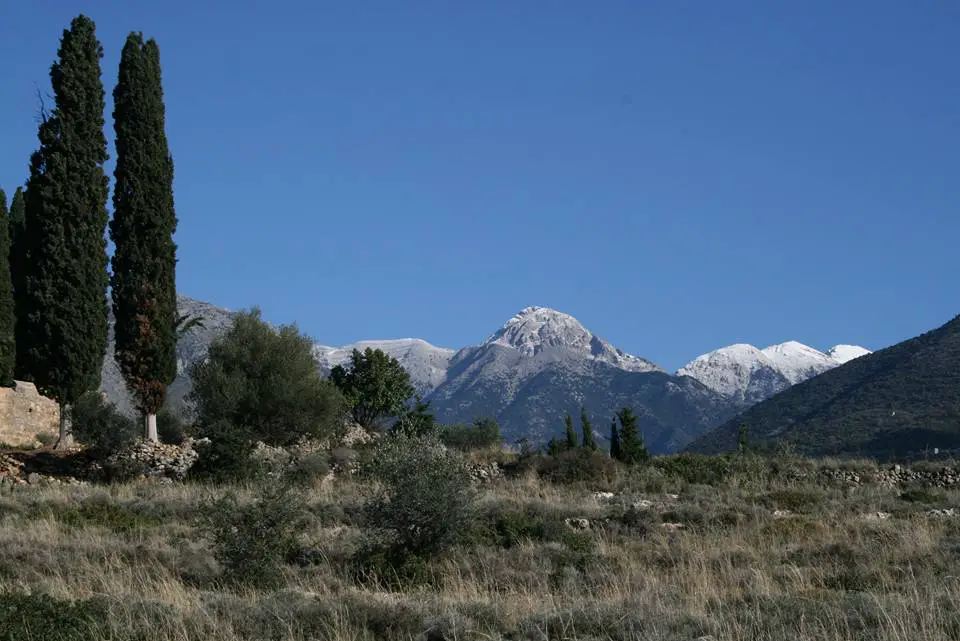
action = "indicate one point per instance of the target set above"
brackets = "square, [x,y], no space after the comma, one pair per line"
[375,385]
[62,316]
[8,346]
[144,260]
[261,384]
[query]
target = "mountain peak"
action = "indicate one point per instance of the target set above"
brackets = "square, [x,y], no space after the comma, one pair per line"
[535,329]
[846,353]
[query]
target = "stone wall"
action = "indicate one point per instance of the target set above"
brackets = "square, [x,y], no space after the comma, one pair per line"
[25,414]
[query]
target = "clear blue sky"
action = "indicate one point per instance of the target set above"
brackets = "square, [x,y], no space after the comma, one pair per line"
[677,175]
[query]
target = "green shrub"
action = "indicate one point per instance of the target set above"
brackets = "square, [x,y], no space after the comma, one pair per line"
[102,513]
[228,455]
[170,427]
[922,495]
[264,385]
[39,616]
[309,469]
[424,500]
[484,433]
[100,426]
[251,541]
[695,468]
[801,500]
[580,466]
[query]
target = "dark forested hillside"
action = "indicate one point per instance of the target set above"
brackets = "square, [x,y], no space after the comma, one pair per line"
[894,404]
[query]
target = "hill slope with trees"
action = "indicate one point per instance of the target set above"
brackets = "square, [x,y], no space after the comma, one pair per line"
[897,403]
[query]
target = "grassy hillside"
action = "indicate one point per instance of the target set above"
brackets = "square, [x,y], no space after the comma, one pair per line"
[753,555]
[894,404]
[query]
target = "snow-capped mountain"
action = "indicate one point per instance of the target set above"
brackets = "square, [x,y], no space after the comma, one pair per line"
[747,375]
[543,363]
[426,363]
[846,353]
[536,329]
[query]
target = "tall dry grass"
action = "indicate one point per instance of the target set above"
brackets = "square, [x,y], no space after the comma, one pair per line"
[831,569]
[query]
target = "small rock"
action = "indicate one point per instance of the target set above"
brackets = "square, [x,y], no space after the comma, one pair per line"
[782,514]
[673,527]
[642,504]
[603,496]
[578,524]
[33,478]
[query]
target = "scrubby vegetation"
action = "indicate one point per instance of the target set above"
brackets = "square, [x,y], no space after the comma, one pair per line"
[681,547]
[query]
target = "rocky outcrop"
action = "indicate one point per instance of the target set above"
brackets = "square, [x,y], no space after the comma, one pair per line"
[25,415]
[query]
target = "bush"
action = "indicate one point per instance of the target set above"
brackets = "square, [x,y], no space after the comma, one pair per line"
[483,434]
[698,469]
[170,427]
[98,424]
[309,469]
[266,382]
[252,541]
[425,499]
[228,455]
[39,616]
[580,466]
[260,384]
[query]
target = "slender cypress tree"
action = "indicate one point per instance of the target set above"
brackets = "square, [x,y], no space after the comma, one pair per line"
[571,442]
[8,346]
[632,449]
[18,262]
[62,318]
[143,283]
[615,452]
[588,441]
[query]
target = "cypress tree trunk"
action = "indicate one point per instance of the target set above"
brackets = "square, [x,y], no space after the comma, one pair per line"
[8,346]
[65,439]
[144,262]
[570,433]
[62,322]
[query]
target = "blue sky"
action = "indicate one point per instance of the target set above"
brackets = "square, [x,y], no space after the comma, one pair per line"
[677,175]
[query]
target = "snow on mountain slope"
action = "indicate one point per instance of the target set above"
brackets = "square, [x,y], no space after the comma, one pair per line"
[426,363]
[797,361]
[749,375]
[536,329]
[739,372]
[846,353]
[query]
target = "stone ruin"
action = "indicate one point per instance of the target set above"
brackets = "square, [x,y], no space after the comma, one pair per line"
[25,415]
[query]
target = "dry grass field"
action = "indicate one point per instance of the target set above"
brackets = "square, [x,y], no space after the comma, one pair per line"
[749,557]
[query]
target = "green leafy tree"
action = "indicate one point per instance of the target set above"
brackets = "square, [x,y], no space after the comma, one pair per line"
[259,384]
[8,345]
[589,442]
[743,439]
[375,385]
[615,452]
[416,420]
[61,331]
[143,283]
[632,449]
[572,442]
[17,264]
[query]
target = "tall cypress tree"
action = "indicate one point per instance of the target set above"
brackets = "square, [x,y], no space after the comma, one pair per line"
[18,262]
[571,441]
[615,452]
[143,283]
[62,321]
[589,443]
[632,449]
[8,346]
